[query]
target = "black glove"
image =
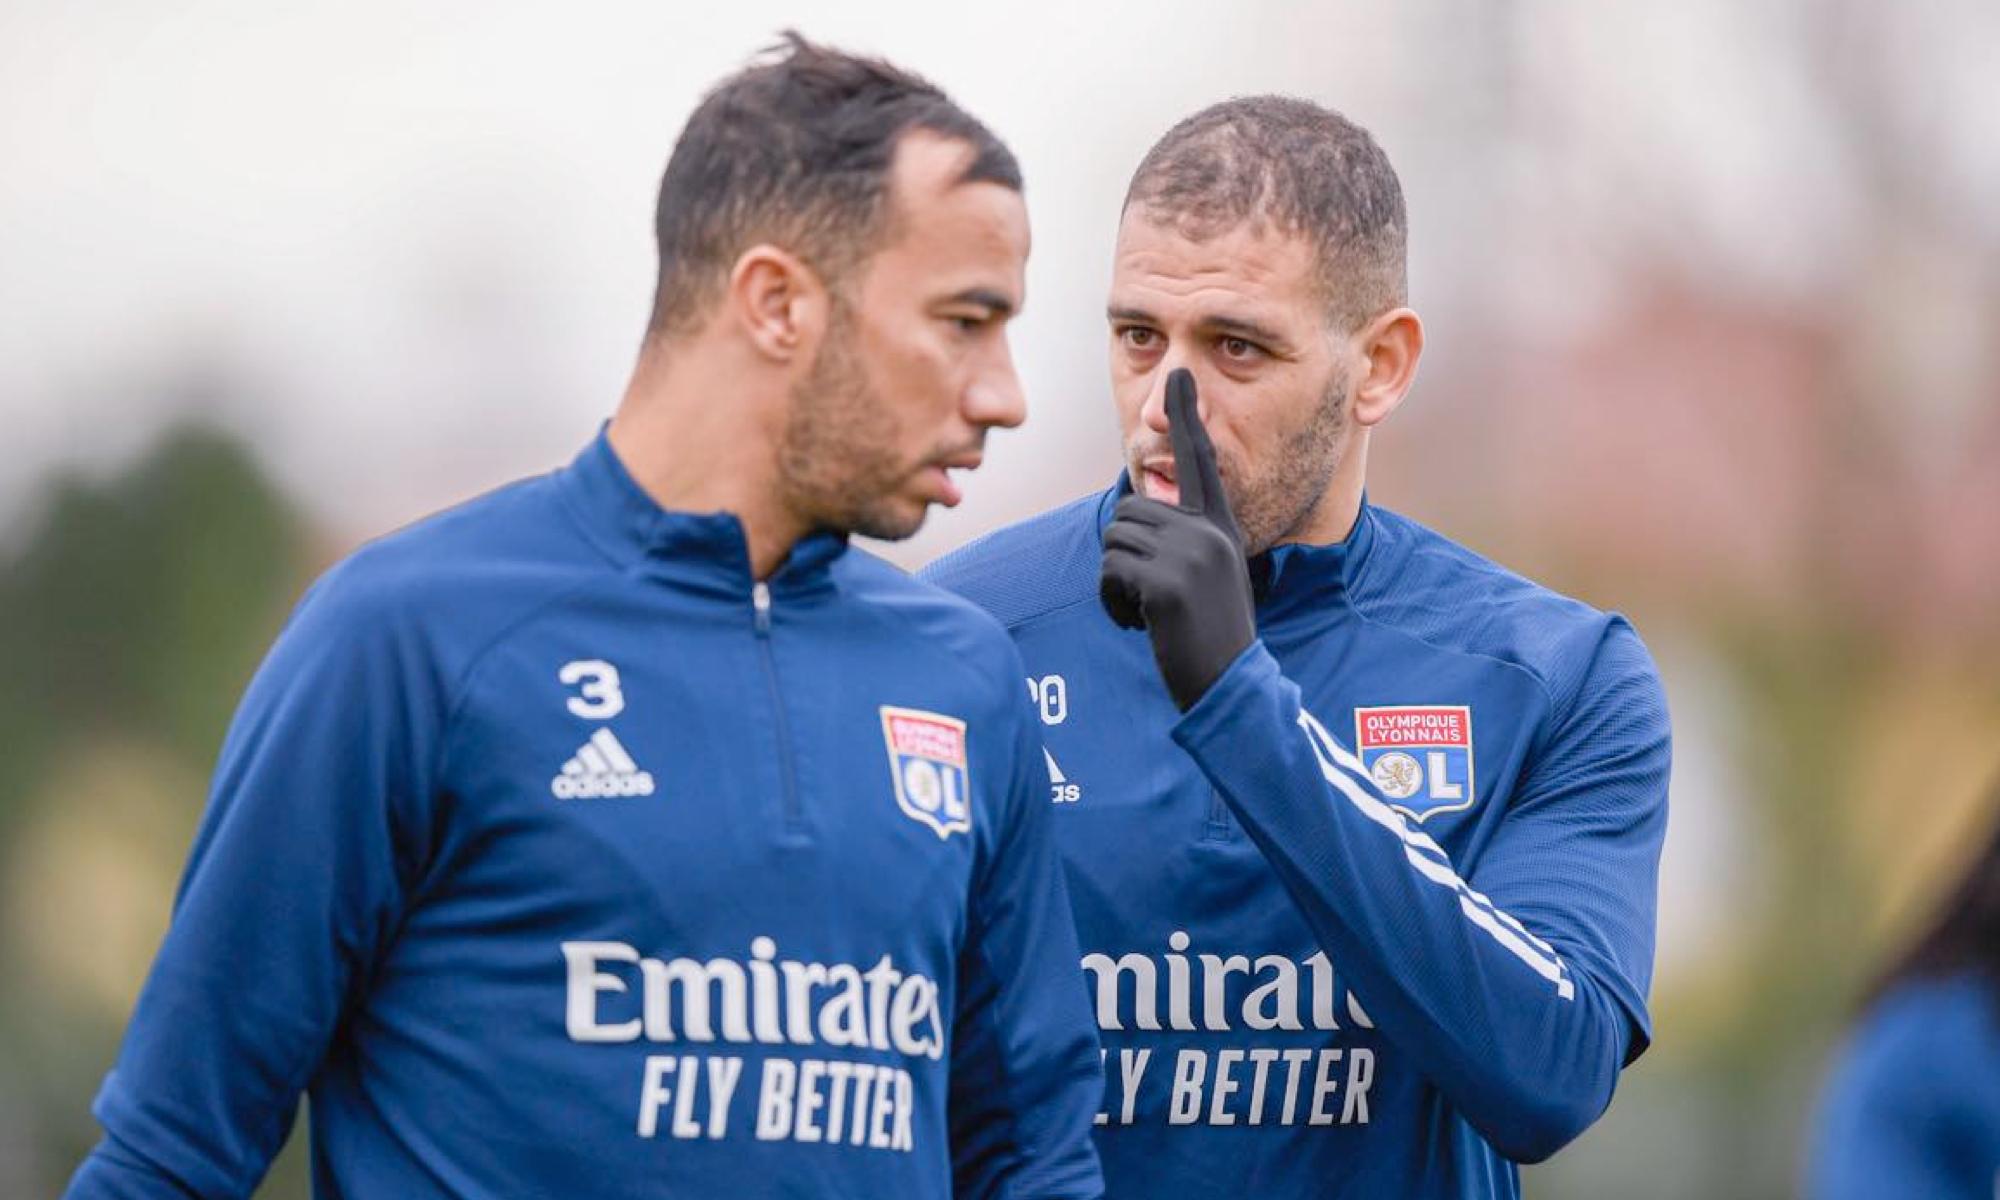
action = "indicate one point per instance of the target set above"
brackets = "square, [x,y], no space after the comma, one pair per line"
[1177,571]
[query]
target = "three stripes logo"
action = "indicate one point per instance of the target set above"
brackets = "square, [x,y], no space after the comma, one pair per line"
[601,767]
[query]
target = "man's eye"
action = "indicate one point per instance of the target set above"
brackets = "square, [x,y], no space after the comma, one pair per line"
[1240,349]
[965,323]
[1138,337]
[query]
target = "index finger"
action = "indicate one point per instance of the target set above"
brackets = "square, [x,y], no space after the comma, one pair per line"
[1194,454]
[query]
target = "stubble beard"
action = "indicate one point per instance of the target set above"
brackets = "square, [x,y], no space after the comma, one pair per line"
[837,464]
[1273,501]
[1283,496]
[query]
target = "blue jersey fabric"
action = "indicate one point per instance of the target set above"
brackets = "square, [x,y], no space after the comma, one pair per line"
[1374,917]
[1913,1104]
[551,856]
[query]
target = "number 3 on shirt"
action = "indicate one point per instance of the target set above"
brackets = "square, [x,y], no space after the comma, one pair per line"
[600,698]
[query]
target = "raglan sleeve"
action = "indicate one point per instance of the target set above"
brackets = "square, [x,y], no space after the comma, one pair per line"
[1519,991]
[1026,1076]
[295,880]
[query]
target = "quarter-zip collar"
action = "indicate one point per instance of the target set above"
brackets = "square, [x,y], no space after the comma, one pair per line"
[1294,578]
[705,550]
[1301,579]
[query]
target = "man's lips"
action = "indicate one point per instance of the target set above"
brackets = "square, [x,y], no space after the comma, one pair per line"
[939,472]
[1157,482]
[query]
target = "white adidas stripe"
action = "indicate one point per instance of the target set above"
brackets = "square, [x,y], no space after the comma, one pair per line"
[1344,771]
[607,744]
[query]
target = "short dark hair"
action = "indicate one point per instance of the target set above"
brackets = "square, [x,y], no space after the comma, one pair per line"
[795,150]
[1305,169]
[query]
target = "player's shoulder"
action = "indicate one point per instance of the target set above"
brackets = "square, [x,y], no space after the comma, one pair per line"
[949,630]
[1021,571]
[1936,1018]
[1443,593]
[928,610]
[1913,1077]
[1924,1034]
[465,570]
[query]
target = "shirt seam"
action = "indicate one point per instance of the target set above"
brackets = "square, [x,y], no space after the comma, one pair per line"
[1096,536]
[1539,745]
[1046,613]
[460,693]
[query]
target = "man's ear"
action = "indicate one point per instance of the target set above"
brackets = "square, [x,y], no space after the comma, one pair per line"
[1390,346]
[778,302]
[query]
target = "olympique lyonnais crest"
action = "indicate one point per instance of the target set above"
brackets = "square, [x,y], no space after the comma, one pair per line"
[927,762]
[1421,757]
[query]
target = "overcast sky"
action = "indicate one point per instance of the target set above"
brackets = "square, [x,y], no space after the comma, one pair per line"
[405,249]
[411,244]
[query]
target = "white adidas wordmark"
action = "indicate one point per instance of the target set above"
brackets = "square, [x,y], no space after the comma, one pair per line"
[601,768]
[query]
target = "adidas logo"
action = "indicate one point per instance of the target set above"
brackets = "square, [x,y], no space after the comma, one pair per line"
[1061,790]
[601,768]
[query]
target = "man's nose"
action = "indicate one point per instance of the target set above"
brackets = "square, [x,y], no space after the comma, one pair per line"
[1153,411]
[995,396]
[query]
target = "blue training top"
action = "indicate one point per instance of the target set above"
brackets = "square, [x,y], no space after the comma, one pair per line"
[552,856]
[1375,917]
[1913,1105]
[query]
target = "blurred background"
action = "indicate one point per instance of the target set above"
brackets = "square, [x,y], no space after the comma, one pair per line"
[1712,289]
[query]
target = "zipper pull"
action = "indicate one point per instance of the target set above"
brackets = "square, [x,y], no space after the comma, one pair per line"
[760,601]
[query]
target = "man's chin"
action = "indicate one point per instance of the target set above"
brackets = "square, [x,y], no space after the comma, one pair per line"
[890,523]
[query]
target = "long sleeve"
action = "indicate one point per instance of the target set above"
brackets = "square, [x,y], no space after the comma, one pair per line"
[1026,1077]
[1518,992]
[293,884]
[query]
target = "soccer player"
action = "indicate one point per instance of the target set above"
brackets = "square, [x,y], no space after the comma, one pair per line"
[1366,889]
[1913,1105]
[624,833]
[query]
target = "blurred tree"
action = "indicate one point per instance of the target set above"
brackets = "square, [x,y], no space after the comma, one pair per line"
[141,604]
[130,620]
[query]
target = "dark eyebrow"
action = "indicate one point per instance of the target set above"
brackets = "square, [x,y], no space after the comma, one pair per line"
[1248,330]
[1225,326]
[987,298]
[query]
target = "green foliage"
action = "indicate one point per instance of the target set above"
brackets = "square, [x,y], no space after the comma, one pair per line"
[140,604]
[132,614]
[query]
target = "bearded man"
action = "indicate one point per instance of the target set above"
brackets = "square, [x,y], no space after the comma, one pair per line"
[1366,889]
[623,833]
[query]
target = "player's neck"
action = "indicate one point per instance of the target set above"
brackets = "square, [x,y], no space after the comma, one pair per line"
[696,444]
[1333,518]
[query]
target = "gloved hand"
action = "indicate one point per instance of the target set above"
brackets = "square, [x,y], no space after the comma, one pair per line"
[1177,571]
